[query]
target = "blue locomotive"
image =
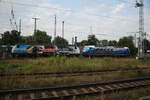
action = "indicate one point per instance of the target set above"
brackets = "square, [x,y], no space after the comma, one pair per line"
[105,51]
[23,50]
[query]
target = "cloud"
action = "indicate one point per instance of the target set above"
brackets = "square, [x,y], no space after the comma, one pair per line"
[102,17]
[118,8]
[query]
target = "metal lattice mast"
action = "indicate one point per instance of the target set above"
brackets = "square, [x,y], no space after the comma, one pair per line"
[140,5]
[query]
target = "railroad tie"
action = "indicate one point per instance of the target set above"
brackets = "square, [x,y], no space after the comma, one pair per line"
[65,92]
[44,95]
[140,83]
[101,88]
[144,83]
[93,89]
[20,97]
[74,98]
[123,85]
[109,87]
[147,81]
[84,90]
[116,86]
[132,84]
[54,93]
[75,91]
[32,95]
[135,83]
[7,97]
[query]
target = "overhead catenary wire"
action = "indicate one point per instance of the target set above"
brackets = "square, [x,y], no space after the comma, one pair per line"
[48,7]
[34,5]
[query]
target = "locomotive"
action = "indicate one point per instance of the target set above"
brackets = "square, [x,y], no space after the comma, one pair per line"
[47,50]
[70,50]
[32,50]
[22,50]
[105,51]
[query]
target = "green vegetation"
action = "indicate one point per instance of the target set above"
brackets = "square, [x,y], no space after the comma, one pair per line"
[10,38]
[60,42]
[47,81]
[59,64]
[14,37]
[128,42]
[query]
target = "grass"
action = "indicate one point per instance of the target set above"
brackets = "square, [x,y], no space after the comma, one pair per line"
[59,64]
[48,81]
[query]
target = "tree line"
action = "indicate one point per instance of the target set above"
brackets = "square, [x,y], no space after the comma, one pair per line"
[127,41]
[41,37]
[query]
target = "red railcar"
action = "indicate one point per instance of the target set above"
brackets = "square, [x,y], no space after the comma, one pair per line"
[46,50]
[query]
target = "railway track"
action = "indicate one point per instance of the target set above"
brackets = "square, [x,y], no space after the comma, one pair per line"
[76,73]
[73,91]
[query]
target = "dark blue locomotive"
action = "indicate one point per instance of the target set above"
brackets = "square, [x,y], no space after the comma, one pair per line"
[105,51]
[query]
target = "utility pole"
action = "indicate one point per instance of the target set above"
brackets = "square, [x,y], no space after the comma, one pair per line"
[135,40]
[91,30]
[140,5]
[63,29]
[35,24]
[20,26]
[55,27]
[145,42]
[72,40]
[75,42]
[35,19]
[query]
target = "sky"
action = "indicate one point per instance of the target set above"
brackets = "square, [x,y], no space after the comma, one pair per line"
[107,19]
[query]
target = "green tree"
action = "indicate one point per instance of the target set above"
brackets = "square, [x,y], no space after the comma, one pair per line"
[128,42]
[27,40]
[11,38]
[103,42]
[92,40]
[83,42]
[60,42]
[41,37]
[112,43]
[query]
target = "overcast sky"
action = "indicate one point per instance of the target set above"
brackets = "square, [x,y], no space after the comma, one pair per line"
[115,18]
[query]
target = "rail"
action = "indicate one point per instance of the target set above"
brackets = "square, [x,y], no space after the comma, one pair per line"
[75,73]
[72,91]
